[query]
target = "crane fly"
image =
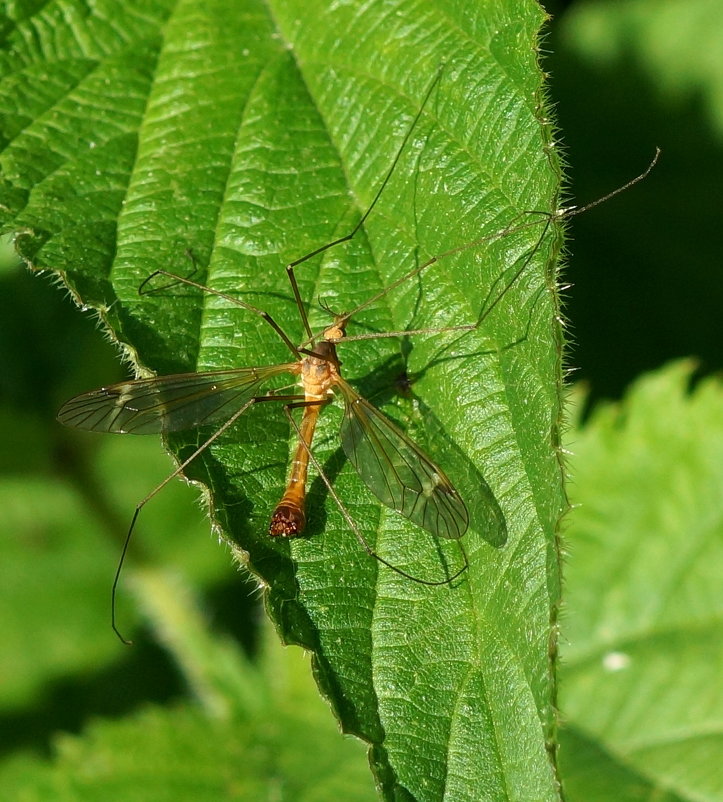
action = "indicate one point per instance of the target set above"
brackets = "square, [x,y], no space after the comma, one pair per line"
[389,463]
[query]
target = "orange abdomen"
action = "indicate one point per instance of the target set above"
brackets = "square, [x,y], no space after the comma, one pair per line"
[289,517]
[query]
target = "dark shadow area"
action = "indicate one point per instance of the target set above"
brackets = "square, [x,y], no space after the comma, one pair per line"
[46,344]
[235,509]
[142,674]
[645,267]
[234,608]
[47,351]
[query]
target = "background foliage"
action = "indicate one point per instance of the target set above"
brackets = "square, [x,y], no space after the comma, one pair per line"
[625,80]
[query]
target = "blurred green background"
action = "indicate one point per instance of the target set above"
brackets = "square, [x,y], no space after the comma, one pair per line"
[645,273]
[645,268]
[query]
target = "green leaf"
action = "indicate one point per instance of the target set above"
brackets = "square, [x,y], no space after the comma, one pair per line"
[249,137]
[642,653]
[249,752]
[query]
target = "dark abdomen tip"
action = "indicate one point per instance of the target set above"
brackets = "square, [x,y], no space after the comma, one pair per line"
[287,521]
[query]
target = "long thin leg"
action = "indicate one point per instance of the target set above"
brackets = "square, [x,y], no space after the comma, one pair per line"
[160,487]
[348,237]
[571,211]
[355,529]
[513,228]
[486,306]
[260,312]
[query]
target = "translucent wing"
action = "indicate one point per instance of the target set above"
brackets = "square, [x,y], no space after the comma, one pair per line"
[167,403]
[397,471]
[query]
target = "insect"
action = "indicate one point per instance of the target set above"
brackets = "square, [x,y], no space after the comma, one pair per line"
[389,463]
